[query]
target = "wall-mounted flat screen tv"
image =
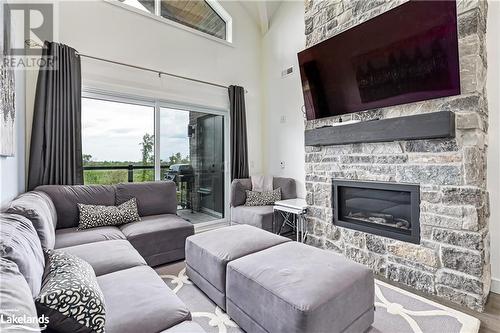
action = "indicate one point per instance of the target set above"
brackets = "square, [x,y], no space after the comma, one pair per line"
[407,54]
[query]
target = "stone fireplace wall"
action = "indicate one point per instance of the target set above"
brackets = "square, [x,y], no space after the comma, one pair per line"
[452,260]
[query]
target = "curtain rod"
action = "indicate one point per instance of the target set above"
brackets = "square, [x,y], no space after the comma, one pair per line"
[31,43]
[155,71]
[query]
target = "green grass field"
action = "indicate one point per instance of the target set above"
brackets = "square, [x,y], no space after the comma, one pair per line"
[106,177]
[110,176]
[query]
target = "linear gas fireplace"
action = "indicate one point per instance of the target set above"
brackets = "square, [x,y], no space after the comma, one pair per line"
[385,209]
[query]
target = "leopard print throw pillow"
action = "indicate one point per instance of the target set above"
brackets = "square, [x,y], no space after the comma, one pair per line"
[255,198]
[92,216]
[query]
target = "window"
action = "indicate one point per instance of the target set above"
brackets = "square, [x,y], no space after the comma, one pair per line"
[206,16]
[195,14]
[145,5]
[129,140]
[117,142]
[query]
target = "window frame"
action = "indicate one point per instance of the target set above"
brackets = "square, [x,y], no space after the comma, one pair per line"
[158,104]
[216,6]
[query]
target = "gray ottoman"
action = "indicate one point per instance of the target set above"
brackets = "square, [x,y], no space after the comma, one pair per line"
[208,253]
[294,287]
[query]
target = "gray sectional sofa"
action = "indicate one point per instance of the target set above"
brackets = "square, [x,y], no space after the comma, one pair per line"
[136,298]
[159,236]
[257,216]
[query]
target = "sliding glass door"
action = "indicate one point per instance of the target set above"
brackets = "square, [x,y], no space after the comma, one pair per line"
[192,145]
[128,139]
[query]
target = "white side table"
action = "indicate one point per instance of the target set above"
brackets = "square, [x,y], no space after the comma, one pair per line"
[293,212]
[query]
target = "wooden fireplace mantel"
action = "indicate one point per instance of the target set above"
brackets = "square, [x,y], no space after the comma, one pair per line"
[416,127]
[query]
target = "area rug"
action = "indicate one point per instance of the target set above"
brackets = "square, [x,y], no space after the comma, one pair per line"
[397,310]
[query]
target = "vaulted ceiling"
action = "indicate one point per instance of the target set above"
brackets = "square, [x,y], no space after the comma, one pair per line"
[261,12]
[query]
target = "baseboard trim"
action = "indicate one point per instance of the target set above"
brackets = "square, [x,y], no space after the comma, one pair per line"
[495,285]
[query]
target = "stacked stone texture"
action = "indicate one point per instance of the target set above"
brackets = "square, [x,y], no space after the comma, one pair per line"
[452,260]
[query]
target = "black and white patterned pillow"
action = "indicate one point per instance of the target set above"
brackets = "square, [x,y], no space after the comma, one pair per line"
[92,216]
[70,296]
[255,198]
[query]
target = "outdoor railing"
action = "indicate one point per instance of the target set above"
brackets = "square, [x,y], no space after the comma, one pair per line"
[130,168]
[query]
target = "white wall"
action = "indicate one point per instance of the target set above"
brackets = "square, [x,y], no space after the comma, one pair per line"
[493,87]
[101,29]
[283,118]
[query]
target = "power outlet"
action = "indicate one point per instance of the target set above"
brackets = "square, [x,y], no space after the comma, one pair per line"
[283,119]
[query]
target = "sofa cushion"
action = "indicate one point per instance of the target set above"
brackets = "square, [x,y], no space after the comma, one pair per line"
[40,210]
[16,300]
[304,289]
[257,216]
[107,256]
[208,253]
[72,236]
[153,198]
[70,295]
[19,243]
[92,216]
[66,198]
[287,186]
[159,238]
[238,188]
[137,300]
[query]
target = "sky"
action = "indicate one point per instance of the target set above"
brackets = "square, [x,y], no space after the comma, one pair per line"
[113,131]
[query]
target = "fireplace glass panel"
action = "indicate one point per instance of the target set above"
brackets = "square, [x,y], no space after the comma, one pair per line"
[385,209]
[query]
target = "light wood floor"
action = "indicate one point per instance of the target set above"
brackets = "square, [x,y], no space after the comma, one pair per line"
[490,318]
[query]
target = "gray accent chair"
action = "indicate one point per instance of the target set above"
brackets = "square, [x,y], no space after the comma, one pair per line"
[136,298]
[257,216]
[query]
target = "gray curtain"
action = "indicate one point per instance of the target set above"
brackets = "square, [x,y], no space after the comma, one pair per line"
[239,148]
[56,138]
